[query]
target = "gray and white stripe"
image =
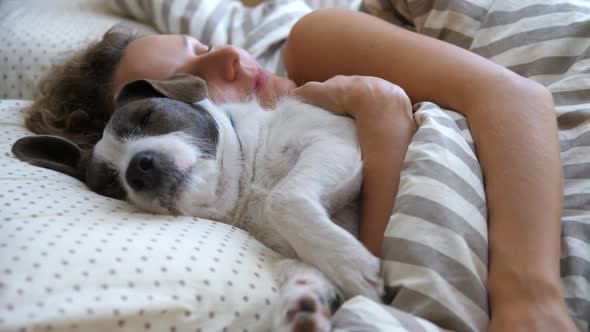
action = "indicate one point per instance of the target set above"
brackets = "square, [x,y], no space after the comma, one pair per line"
[435,248]
[549,42]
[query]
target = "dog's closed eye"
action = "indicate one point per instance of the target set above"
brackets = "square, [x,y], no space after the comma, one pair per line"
[146,119]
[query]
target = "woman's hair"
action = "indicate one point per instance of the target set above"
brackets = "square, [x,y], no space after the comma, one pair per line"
[75,100]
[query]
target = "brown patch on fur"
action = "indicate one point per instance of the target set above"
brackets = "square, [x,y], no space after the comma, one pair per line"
[327,313]
[302,282]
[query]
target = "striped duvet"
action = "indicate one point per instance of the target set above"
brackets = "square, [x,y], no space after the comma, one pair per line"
[442,279]
[435,248]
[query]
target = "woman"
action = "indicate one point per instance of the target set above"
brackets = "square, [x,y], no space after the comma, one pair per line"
[511,119]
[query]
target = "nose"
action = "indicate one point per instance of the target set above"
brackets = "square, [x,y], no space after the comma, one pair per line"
[144,172]
[220,62]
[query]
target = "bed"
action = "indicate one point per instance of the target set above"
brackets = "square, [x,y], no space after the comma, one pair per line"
[71,260]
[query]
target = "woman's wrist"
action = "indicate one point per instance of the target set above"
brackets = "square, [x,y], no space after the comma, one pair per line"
[526,314]
[509,286]
[385,126]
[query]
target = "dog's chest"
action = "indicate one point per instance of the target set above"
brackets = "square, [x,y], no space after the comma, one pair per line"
[273,143]
[269,153]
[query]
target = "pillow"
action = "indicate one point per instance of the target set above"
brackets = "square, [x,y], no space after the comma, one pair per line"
[35,35]
[73,260]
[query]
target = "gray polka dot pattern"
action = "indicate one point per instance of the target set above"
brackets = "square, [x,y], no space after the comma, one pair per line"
[71,260]
[35,35]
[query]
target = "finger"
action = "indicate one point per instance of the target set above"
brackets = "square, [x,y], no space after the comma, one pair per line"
[308,89]
[312,93]
[319,94]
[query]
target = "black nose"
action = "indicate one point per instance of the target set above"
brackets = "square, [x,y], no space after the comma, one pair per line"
[144,172]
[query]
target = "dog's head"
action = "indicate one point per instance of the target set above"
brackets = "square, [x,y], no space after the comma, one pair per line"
[160,149]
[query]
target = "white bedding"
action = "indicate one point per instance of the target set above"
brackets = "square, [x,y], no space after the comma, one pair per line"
[73,260]
[69,257]
[56,234]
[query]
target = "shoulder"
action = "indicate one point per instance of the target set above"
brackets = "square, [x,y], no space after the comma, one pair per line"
[313,33]
[335,41]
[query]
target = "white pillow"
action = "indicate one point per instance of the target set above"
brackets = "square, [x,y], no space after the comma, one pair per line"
[38,34]
[71,258]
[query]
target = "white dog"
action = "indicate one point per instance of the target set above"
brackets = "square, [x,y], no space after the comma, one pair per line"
[291,177]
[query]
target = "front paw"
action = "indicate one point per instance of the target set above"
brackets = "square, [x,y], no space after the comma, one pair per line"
[355,271]
[362,276]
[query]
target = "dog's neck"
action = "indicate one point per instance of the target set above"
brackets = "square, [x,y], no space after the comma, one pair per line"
[229,167]
[248,124]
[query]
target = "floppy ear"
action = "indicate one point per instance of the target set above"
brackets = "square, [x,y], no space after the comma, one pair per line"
[50,152]
[185,88]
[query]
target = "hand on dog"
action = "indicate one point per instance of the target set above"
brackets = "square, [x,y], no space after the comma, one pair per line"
[352,95]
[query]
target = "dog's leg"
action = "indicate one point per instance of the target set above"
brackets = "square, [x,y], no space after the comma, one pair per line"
[295,210]
[306,298]
[348,218]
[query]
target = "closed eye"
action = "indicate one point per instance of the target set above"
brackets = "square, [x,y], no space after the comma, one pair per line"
[146,119]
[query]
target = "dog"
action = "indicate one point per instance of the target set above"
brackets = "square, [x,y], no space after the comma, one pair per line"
[291,177]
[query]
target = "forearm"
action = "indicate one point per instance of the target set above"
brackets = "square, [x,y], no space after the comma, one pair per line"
[515,132]
[384,136]
[384,126]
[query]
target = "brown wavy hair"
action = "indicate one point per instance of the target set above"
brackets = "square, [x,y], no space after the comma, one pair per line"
[75,99]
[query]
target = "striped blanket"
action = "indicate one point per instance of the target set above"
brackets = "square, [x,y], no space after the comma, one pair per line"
[435,248]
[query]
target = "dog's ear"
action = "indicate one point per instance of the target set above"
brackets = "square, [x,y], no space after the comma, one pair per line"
[50,152]
[185,88]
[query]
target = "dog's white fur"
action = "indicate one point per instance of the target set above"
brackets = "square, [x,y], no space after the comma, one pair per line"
[291,177]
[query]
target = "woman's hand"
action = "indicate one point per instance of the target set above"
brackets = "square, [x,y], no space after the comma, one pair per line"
[355,95]
[385,127]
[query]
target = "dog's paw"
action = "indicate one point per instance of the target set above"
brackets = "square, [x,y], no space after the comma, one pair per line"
[366,283]
[303,307]
[358,274]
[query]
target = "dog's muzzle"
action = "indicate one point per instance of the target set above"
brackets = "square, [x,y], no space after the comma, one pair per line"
[144,172]
[152,172]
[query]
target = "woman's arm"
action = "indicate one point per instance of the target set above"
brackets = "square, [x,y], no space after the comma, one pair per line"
[513,124]
[392,124]
[385,126]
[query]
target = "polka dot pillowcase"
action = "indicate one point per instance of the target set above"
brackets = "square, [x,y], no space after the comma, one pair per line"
[71,260]
[35,35]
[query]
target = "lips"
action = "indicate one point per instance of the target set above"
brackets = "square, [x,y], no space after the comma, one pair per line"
[259,80]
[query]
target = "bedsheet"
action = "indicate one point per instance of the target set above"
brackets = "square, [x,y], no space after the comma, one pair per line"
[435,249]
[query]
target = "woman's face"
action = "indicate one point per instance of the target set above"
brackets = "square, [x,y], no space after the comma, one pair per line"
[232,75]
